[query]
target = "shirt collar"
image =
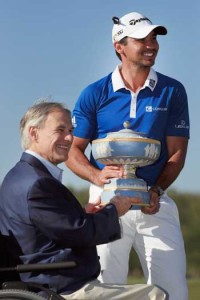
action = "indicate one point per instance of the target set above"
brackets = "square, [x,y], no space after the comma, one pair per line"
[55,171]
[118,82]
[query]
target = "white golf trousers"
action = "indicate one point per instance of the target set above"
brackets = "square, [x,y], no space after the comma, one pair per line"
[157,239]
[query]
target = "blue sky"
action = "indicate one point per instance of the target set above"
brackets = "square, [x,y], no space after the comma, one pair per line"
[57,47]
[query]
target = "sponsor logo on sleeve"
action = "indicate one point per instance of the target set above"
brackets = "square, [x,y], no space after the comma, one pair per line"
[74,124]
[182,125]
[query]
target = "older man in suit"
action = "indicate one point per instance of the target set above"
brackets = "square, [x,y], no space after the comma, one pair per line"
[49,223]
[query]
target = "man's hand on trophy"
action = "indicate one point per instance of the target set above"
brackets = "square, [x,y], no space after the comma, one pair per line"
[108,172]
[123,203]
[94,207]
[154,204]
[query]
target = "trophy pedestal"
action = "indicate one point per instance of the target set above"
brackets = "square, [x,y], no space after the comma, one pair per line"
[132,187]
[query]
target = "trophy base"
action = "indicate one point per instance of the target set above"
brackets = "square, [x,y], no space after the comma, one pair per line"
[131,187]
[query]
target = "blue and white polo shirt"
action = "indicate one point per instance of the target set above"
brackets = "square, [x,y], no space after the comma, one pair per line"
[159,109]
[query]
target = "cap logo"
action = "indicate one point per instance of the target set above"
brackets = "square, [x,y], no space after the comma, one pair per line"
[135,21]
[119,32]
[125,26]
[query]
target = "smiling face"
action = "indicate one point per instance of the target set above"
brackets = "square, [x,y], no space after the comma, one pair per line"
[139,52]
[53,139]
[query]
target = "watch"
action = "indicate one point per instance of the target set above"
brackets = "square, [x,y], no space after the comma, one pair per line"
[157,189]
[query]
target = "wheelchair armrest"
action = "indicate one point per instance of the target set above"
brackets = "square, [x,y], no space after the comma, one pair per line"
[22,268]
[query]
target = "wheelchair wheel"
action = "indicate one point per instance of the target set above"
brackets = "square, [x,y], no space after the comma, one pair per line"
[19,295]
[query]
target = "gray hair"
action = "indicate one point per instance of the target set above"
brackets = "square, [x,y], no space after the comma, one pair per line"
[36,116]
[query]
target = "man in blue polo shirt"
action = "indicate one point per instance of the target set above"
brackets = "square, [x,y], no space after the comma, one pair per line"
[157,106]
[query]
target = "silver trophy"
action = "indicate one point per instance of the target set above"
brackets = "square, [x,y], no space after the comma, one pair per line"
[130,149]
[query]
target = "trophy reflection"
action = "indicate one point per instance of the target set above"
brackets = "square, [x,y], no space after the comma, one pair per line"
[132,150]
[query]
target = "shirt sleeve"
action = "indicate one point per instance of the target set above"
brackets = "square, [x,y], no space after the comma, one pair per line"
[178,122]
[84,115]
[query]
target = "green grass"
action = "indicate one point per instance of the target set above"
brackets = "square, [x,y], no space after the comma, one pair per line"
[194,288]
[193,285]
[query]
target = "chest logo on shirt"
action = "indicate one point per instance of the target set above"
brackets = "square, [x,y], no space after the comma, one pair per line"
[151,108]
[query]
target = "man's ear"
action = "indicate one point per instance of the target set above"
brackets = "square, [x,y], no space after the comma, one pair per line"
[119,47]
[33,132]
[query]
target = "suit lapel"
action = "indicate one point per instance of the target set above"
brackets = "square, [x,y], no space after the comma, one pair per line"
[34,162]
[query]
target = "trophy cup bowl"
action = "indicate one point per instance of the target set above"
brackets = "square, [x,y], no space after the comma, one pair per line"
[130,149]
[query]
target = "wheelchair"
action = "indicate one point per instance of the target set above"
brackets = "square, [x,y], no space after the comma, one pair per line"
[12,288]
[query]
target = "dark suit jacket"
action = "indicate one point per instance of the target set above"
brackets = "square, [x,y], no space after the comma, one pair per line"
[50,225]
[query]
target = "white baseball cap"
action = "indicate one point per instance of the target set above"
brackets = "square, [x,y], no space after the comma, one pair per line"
[134,25]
